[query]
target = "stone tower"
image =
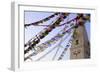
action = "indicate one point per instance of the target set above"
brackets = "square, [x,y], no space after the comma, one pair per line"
[80,48]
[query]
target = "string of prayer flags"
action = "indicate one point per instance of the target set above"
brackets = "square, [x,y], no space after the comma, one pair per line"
[49,43]
[45,32]
[45,45]
[67,46]
[64,51]
[43,20]
[52,41]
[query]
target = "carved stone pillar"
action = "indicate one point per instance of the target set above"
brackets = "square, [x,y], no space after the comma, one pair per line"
[80,48]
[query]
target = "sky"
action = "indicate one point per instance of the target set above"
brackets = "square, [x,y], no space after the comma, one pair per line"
[31,31]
